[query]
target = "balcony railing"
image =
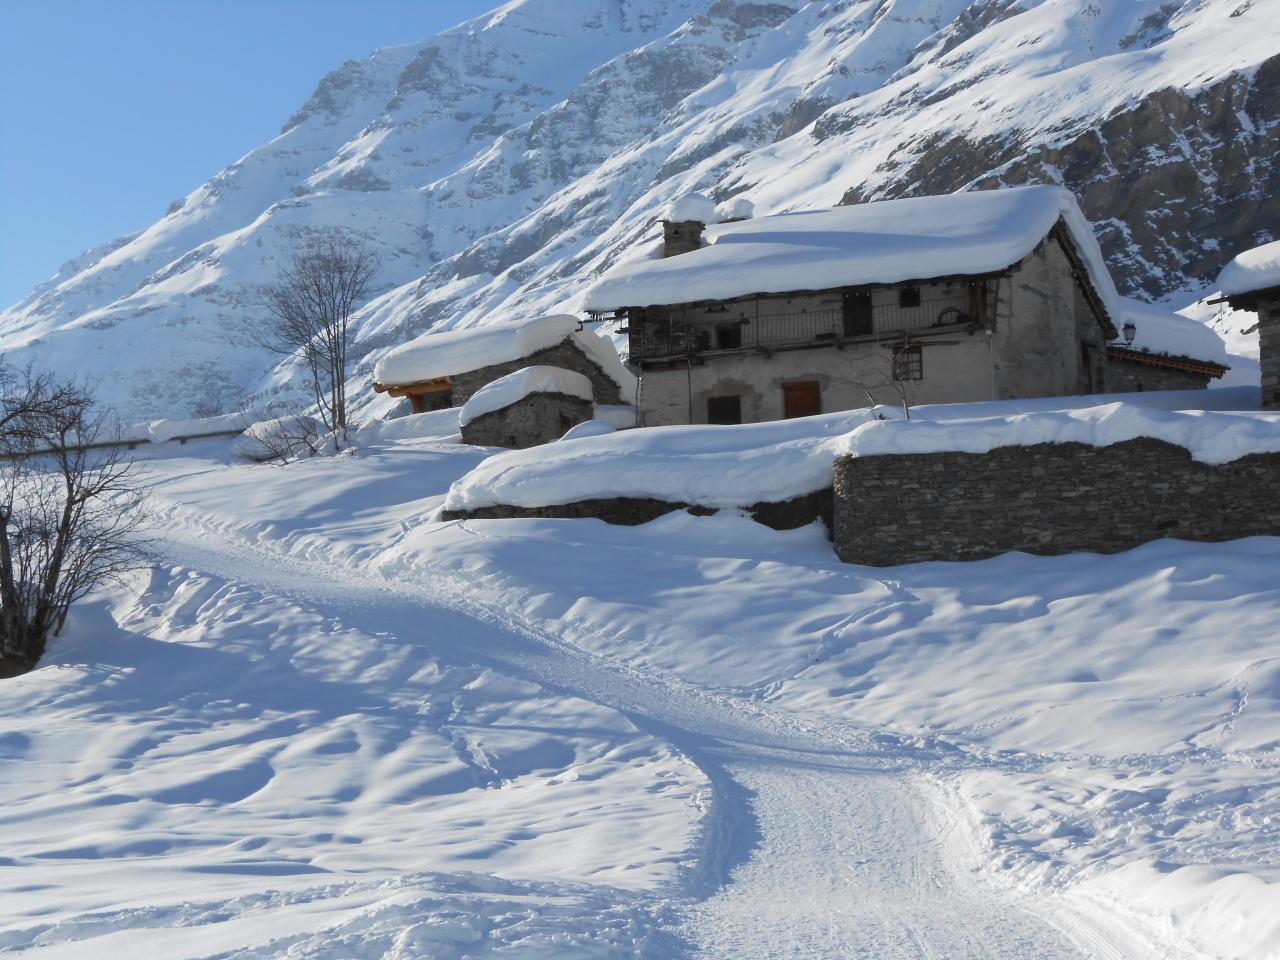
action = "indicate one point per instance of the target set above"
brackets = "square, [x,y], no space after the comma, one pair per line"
[653,338]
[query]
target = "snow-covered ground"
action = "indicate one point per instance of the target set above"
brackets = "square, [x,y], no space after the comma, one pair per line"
[325,726]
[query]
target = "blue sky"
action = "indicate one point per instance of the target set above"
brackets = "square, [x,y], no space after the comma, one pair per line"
[110,109]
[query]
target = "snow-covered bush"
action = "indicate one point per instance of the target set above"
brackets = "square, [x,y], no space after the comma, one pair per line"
[280,439]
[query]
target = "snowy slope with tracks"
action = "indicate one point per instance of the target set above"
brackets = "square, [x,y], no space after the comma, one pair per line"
[325,725]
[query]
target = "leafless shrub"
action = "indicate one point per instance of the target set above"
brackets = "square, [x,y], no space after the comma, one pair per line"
[281,439]
[884,370]
[69,516]
[311,303]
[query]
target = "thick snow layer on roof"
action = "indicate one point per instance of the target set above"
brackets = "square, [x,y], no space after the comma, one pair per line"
[1162,331]
[691,206]
[739,208]
[514,387]
[601,352]
[736,466]
[1256,269]
[883,242]
[434,355]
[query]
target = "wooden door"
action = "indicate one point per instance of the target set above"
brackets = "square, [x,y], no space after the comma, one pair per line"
[802,399]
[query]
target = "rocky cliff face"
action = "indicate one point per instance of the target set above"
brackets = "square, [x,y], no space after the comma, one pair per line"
[498,167]
[1174,183]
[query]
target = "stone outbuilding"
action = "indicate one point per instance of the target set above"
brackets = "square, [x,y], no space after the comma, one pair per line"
[441,370]
[1162,350]
[999,294]
[532,406]
[1252,282]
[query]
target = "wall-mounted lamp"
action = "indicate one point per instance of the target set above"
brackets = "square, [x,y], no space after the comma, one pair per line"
[1130,331]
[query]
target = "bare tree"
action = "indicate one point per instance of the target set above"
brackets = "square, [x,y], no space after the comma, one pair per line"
[887,368]
[311,303]
[69,513]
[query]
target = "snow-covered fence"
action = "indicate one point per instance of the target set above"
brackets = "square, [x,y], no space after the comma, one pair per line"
[132,436]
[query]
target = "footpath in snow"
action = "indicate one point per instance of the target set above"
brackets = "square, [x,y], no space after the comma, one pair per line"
[327,727]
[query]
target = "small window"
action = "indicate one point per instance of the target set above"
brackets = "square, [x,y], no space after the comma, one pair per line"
[908,296]
[856,314]
[728,336]
[908,363]
[724,409]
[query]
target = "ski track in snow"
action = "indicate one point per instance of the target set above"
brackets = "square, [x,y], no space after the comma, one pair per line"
[822,839]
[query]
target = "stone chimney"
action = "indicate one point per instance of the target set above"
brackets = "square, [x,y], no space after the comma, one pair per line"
[681,236]
[683,223]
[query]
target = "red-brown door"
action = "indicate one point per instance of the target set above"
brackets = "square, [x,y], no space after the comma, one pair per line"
[802,399]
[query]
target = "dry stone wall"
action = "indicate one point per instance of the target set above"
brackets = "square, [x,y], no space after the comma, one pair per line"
[1049,498]
[633,511]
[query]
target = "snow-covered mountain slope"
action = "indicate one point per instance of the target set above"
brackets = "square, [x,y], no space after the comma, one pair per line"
[500,166]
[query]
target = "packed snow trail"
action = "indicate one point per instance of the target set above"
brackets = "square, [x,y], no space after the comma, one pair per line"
[818,843]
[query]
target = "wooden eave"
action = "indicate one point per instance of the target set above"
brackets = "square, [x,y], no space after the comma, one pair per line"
[1252,299]
[826,291]
[1187,364]
[418,387]
[1081,272]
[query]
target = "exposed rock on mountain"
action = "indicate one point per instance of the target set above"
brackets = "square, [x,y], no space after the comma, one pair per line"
[1172,183]
[499,166]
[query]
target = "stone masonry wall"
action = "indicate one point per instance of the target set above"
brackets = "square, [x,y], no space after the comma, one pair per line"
[1269,353]
[1128,377]
[631,511]
[1046,499]
[534,420]
[564,354]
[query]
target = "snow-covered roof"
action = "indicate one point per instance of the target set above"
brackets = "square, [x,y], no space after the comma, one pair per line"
[454,352]
[447,354]
[514,387]
[1256,269]
[691,206]
[887,241]
[739,208]
[1162,331]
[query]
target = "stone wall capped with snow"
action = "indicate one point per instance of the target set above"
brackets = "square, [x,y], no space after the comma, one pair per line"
[1046,498]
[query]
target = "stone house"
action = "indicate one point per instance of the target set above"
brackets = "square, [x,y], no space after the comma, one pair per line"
[1251,282]
[985,295]
[532,406]
[441,370]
